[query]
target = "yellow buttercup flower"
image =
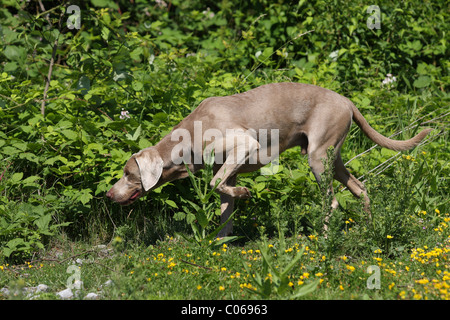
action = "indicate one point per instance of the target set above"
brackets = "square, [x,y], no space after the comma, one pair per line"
[351,268]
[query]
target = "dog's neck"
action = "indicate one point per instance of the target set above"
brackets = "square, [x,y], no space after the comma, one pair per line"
[174,167]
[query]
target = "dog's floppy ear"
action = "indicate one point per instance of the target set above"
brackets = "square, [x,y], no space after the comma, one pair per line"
[150,166]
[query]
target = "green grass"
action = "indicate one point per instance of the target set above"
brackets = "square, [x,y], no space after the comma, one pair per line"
[178,269]
[60,154]
[409,250]
[407,242]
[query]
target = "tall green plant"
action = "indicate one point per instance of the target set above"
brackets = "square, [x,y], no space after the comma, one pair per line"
[274,278]
[200,216]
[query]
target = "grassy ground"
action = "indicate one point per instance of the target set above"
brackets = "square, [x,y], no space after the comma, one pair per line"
[175,268]
[131,73]
[281,253]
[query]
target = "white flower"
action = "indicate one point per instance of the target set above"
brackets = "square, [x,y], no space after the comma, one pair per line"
[124,114]
[389,80]
[161,3]
[208,13]
[151,59]
[334,55]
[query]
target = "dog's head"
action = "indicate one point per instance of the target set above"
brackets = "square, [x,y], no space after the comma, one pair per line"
[140,174]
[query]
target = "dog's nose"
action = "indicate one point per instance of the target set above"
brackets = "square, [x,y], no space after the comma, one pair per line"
[110,194]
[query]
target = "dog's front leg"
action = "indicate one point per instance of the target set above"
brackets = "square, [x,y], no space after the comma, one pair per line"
[242,151]
[239,153]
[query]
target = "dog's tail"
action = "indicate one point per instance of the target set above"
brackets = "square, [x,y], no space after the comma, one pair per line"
[372,134]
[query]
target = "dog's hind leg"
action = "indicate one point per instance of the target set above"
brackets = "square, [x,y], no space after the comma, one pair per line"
[226,209]
[355,186]
[315,160]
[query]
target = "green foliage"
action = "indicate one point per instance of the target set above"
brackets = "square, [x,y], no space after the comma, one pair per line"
[274,278]
[200,218]
[25,227]
[130,73]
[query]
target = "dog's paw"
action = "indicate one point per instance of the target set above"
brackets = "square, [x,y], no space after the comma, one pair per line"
[242,193]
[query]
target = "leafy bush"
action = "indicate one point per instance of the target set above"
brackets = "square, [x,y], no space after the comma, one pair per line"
[76,103]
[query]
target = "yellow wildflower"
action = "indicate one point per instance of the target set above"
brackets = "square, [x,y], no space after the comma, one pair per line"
[349,267]
[422,281]
[312,237]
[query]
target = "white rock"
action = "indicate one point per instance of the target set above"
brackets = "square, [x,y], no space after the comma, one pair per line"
[91,296]
[4,291]
[65,294]
[41,288]
[107,283]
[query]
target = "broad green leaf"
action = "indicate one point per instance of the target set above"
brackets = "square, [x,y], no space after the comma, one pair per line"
[42,222]
[179,216]
[16,177]
[171,203]
[15,53]
[70,134]
[305,289]
[422,82]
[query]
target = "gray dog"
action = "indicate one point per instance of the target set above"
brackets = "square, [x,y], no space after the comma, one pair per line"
[248,130]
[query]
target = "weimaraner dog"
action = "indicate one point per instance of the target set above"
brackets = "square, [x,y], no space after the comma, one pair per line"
[248,130]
